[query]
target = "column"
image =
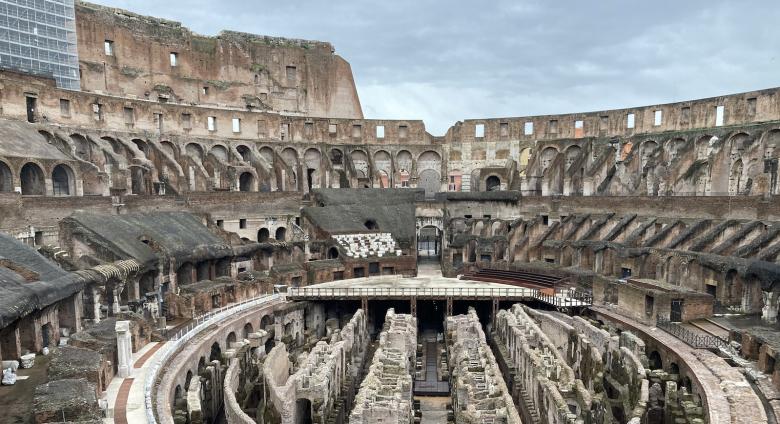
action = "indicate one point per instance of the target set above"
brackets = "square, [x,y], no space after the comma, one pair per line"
[124,348]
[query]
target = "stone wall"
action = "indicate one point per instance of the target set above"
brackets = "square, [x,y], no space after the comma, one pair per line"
[386,392]
[479,392]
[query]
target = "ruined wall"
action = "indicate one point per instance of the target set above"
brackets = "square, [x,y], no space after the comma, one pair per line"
[386,392]
[235,69]
[478,389]
[324,384]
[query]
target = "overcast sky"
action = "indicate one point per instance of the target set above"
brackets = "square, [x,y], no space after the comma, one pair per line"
[444,61]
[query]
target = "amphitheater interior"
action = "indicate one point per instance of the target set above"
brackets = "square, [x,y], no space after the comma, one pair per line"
[209,231]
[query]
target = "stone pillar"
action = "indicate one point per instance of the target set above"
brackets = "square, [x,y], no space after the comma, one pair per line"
[124,348]
[769,310]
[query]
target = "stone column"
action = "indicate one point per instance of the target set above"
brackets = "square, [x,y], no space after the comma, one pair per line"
[769,310]
[124,348]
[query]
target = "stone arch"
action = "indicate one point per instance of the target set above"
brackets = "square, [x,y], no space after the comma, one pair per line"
[263,235]
[142,147]
[702,146]
[333,253]
[313,159]
[290,157]
[220,152]
[266,322]
[248,329]
[738,143]
[230,339]
[245,152]
[735,177]
[195,151]
[303,412]
[169,148]
[184,274]
[281,234]
[32,180]
[572,153]
[267,154]
[492,183]
[82,147]
[360,163]
[6,178]
[647,150]
[430,180]
[429,159]
[654,360]
[63,181]
[547,156]
[216,352]
[404,160]
[673,148]
[188,380]
[336,157]
[246,182]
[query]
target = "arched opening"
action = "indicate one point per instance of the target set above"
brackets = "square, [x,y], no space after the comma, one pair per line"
[492,183]
[203,271]
[428,242]
[6,178]
[674,369]
[430,180]
[267,322]
[222,267]
[246,181]
[371,225]
[269,344]
[244,152]
[138,180]
[333,253]
[263,235]
[62,180]
[32,180]
[303,411]
[248,329]
[654,360]
[188,380]
[281,234]
[216,352]
[230,340]
[201,365]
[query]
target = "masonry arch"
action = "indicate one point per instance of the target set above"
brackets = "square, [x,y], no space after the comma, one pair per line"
[647,150]
[6,178]
[333,253]
[184,274]
[312,158]
[360,163]
[573,153]
[430,180]
[216,352]
[290,157]
[195,151]
[63,181]
[492,183]
[336,157]
[429,241]
[245,152]
[263,235]
[32,180]
[220,152]
[735,177]
[248,329]
[267,154]
[547,157]
[281,234]
[230,339]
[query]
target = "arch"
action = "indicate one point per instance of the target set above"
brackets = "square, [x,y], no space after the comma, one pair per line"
[263,235]
[303,413]
[266,322]
[267,153]
[62,180]
[492,183]
[245,152]
[674,368]
[269,344]
[246,182]
[360,162]
[573,153]
[290,157]
[281,234]
[142,147]
[195,151]
[169,148]
[673,148]
[220,152]
[547,156]
[333,253]
[371,224]
[6,178]
[702,146]
[336,157]
[735,177]
[216,352]
[404,161]
[647,150]
[188,380]
[654,360]
[230,340]
[82,147]
[430,180]
[429,160]
[32,180]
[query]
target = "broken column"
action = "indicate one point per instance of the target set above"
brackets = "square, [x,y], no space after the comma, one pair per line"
[124,348]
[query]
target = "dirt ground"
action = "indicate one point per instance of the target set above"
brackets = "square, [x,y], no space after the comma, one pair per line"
[17,400]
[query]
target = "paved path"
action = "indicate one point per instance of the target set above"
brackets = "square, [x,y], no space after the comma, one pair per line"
[126,395]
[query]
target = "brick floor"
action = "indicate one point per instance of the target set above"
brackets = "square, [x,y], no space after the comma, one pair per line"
[120,407]
[140,362]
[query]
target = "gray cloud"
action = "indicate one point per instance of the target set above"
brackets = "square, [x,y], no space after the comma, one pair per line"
[446,61]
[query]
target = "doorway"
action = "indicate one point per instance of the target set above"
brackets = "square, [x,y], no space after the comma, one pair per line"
[675,314]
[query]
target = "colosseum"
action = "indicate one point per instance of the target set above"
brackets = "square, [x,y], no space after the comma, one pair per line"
[205,229]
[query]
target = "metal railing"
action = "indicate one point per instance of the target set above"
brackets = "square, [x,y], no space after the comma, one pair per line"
[692,339]
[373,292]
[187,333]
[565,298]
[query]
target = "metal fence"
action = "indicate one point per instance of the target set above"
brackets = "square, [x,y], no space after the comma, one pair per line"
[692,339]
[566,298]
[187,333]
[404,292]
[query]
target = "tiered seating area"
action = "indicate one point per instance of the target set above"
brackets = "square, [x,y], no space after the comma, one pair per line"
[514,278]
[368,245]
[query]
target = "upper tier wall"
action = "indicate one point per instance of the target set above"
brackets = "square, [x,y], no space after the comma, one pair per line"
[236,69]
[738,109]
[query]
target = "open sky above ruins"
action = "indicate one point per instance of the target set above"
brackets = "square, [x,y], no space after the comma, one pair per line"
[446,61]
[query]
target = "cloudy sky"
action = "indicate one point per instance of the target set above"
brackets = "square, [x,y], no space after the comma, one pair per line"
[444,61]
